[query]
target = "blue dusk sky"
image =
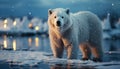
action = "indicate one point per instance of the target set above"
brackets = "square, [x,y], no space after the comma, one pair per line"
[39,8]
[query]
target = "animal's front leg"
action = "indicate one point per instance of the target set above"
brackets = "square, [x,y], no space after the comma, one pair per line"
[57,51]
[72,51]
[56,46]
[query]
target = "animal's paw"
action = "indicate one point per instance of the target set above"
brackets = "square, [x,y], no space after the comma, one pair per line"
[84,59]
[97,59]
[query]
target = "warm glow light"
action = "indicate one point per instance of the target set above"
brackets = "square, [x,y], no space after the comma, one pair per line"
[5,21]
[14,45]
[30,25]
[5,43]
[14,23]
[37,41]
[37,28]
[5,25]
[30,41]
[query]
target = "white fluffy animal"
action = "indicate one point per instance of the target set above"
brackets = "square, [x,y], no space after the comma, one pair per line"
[73,31]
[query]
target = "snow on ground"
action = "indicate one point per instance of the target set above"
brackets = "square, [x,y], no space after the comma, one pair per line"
[32,58]
[22,57]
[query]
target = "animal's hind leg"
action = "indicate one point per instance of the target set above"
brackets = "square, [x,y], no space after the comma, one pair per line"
[86,53]
[97,53]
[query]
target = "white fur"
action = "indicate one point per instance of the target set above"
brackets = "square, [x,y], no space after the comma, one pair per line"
[76,29]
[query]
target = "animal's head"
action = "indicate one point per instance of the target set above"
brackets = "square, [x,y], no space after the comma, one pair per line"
[59,18]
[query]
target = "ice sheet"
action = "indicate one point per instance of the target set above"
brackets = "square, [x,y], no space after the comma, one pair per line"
[33,58]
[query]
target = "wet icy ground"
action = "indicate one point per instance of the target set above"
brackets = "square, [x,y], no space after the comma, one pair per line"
[43,60]
[34,52]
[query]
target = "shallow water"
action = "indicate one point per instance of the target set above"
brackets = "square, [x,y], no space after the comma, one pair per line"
[29,43]
[38,43]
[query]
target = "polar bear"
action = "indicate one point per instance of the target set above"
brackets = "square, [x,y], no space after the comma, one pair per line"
[72,31]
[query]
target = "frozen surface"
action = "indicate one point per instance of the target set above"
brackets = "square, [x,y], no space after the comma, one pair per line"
[32,58]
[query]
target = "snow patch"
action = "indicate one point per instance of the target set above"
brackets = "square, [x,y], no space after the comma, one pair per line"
[34,58]
[22,57]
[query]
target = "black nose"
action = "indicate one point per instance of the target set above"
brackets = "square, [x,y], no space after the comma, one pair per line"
[58,23]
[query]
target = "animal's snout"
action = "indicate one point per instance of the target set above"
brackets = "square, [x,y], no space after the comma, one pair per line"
[58,23]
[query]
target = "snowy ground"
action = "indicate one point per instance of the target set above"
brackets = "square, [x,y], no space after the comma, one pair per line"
[35,58]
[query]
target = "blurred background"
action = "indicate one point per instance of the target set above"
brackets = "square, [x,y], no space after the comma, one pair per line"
[39,8]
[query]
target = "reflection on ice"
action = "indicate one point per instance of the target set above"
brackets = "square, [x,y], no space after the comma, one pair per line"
[5,43]
[30,41]
[14,45]
[36,41]
[38,52]
[41,43]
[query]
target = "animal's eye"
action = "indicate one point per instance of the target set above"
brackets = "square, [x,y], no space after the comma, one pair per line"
[62,17]
[55,17]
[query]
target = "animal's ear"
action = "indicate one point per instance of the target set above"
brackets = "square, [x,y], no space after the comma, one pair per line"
[68,11]
[50,11]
